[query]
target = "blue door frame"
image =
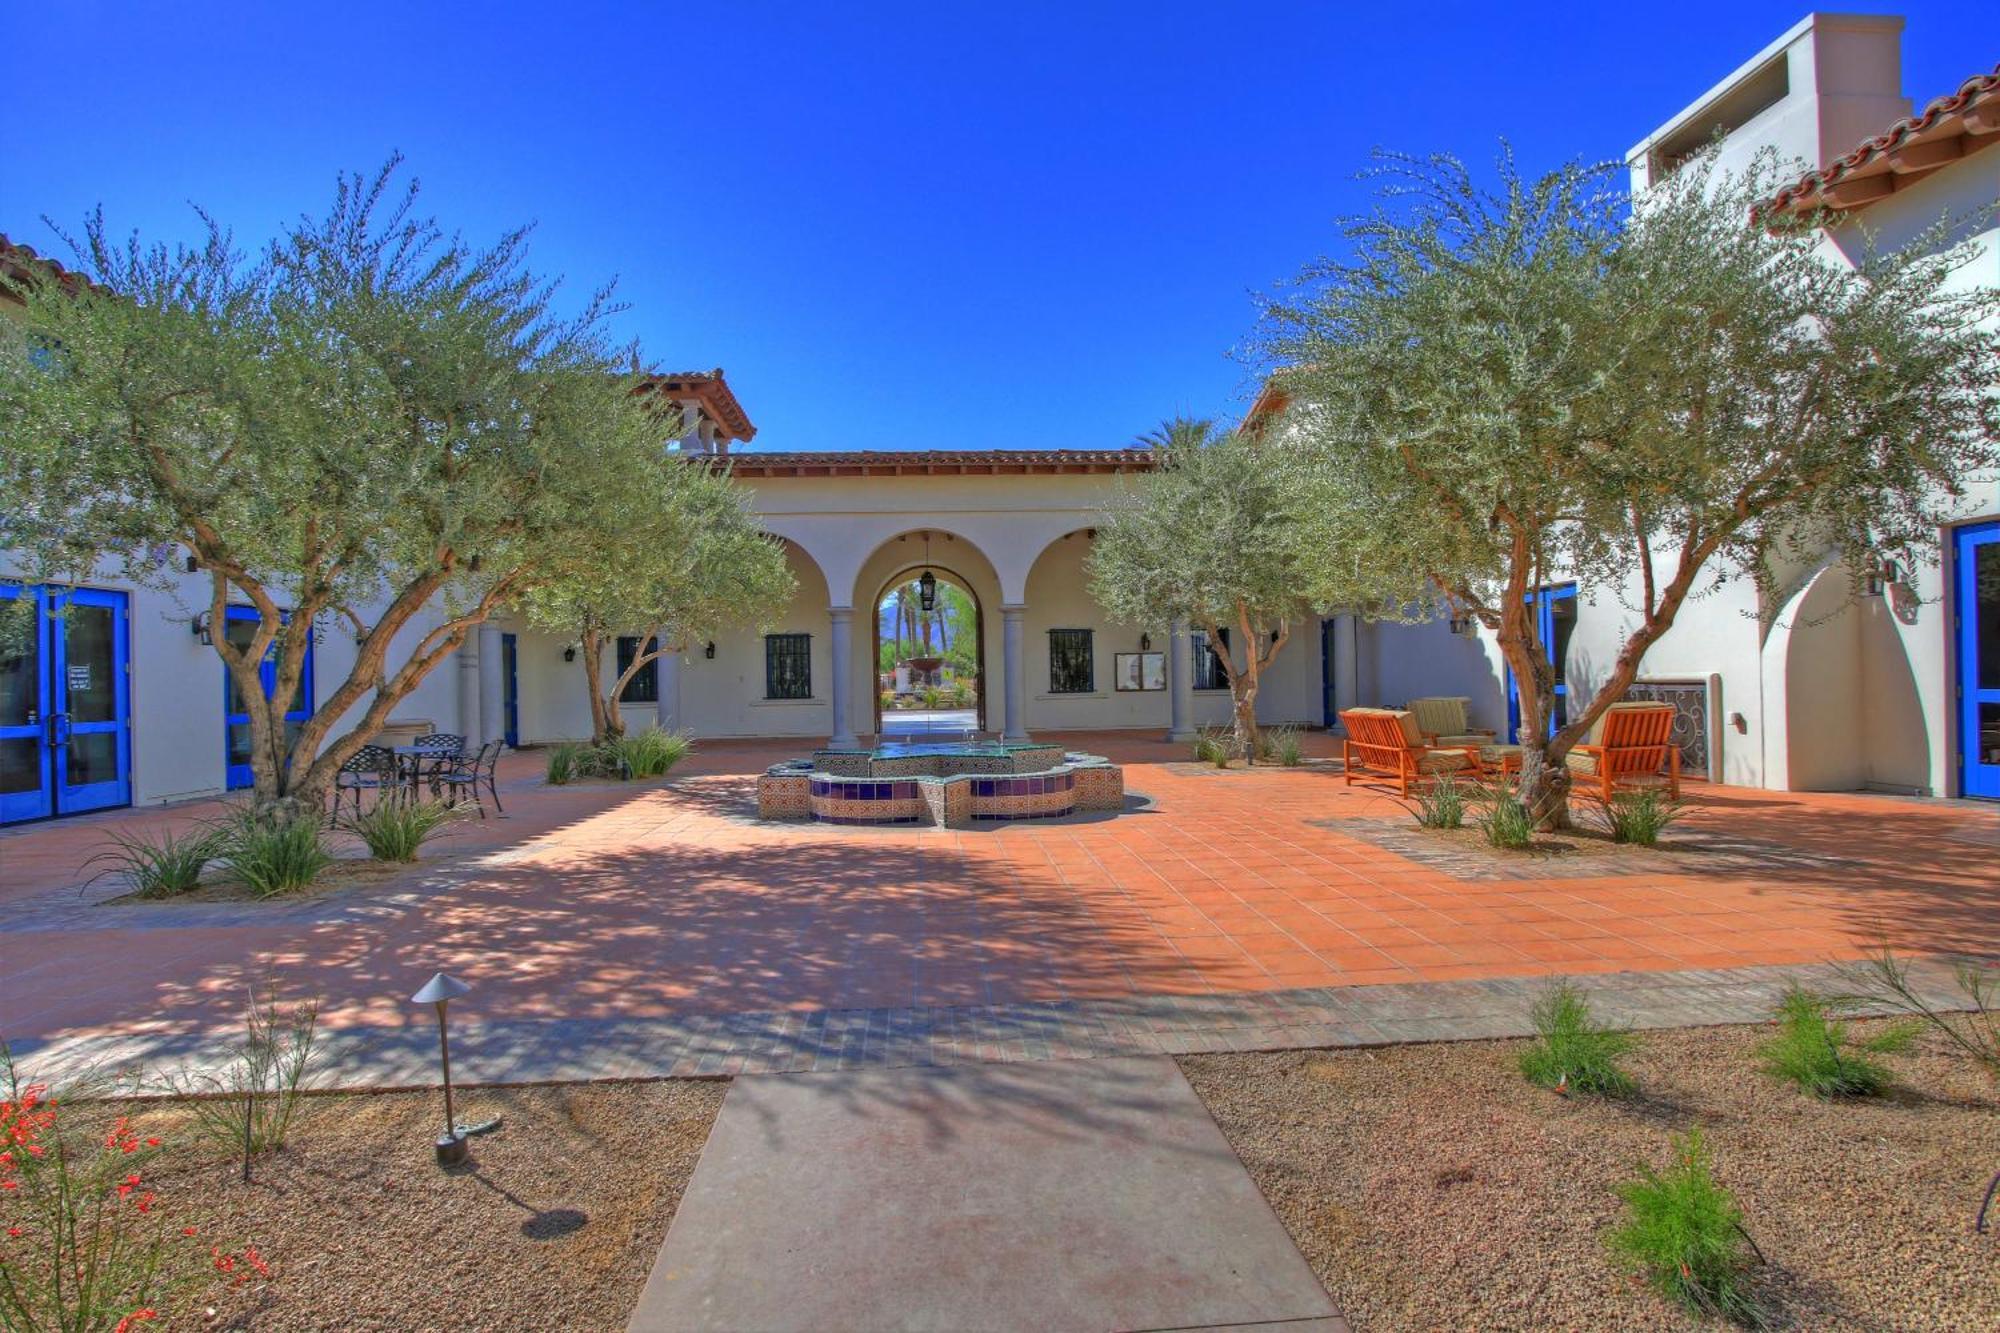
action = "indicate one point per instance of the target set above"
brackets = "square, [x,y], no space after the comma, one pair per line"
[1329,708]
[1554,609]
[66,706]
[1976,615]
[510,691]
[236,719]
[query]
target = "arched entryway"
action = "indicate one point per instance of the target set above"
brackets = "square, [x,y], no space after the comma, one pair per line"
[924,660]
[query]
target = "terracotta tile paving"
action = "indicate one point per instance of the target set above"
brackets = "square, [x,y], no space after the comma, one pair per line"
[604,903]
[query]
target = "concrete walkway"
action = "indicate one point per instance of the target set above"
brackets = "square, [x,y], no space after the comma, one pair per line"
[1086,1195]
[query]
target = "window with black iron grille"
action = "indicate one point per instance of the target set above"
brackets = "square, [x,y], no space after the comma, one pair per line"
[644,687]
[1208,672]
[1071,668]
[788,666]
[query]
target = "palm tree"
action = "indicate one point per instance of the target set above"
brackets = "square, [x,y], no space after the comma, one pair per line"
[1178,433]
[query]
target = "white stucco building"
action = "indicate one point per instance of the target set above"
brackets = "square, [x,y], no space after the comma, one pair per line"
[125,704]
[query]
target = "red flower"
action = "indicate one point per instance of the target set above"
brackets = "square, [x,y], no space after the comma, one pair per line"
[187,1231]
[15,1232]
[136,1317]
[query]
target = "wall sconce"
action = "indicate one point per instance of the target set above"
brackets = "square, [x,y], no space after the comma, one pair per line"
[193,564]
[1145,643]
[1462,625]
[1883,576]
[203,630]
[569,652]
[709,652]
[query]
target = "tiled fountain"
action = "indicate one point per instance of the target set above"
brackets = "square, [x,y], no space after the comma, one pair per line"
[945,784]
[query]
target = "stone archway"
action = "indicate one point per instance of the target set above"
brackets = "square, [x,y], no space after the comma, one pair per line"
[965,585]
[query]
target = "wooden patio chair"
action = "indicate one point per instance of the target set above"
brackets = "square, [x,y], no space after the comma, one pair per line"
[1443,721]
[1628,746]
[1388,741]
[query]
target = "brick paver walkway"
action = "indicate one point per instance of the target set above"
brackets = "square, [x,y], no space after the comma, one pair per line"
[672,906]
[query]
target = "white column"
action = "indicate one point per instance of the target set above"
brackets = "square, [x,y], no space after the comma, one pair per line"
[667,667]
[841,643]
[1016,673]
[1180,682]
[468,690]
[492,698]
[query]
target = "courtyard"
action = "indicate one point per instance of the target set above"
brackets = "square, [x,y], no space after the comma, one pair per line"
[609,929]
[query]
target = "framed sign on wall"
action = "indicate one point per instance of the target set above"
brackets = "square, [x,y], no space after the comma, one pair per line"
[1139,671]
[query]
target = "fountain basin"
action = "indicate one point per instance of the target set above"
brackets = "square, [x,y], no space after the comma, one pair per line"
[939,784]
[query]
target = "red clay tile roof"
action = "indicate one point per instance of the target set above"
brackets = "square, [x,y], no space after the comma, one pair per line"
[708,388]
[1942,133]
[940,462]
[19,262]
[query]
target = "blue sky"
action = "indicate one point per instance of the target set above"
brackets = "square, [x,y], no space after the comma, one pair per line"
[923,226]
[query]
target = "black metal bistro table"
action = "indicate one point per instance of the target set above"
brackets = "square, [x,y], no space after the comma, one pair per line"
[411,765]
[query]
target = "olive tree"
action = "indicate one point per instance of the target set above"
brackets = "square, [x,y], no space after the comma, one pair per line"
[1225,535]
[367,426]
[693,562]
[1510,385]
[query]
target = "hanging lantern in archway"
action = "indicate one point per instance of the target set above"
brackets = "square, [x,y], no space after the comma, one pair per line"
[927,591]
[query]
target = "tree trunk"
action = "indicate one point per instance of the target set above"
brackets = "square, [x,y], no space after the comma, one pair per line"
[1243,700]
[605,723]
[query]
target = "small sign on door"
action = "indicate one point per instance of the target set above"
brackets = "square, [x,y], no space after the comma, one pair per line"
[79,679]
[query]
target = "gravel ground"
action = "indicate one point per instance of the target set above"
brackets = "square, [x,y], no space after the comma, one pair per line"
[1432,1187]
[553,1226]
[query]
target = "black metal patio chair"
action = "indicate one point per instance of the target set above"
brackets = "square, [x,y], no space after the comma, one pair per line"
[468,773]
[370,768]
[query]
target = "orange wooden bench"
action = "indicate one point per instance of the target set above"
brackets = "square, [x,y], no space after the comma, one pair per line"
[1388,741]
[1628,746]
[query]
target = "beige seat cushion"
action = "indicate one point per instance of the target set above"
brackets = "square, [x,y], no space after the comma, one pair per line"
[1581,763]
[1443,761]
[1441,715]
[1468,738]
[1586,764]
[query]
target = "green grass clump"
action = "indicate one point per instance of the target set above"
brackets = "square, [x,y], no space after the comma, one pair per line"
[1442,805]
[1572,1051]
[273,852]
[1684,1234]
[649,753]
[1639,817]
[1214,747]
[1504,818]
[395,828]
[159,865]
[1814,1050]
[1282,745]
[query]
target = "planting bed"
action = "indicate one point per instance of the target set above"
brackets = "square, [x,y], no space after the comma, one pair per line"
[553,1225]
[1432,1187]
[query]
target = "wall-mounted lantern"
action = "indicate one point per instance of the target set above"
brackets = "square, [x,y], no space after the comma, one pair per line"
[1463,625]
[1145,643]
[709,651]
[204,630]
[569,652]
[441,990]
[1883,576]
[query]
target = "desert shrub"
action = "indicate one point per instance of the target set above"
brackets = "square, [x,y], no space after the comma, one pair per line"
[1441,805]
[1975,1030]
[88,1243]
[1572,1050]
[158,865]
[1214,747]
[568,762]
[931,696]
[1281,745]
[1684,1233]
[1504,817]
[248,1107]
[648,753]
[396,826]
[1814,1049]
[1639,816]
[272,852]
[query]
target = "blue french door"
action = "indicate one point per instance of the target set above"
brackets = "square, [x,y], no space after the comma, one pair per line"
[1977,607]
[240,625]
[510,691]
[1554,609]
[65,704]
